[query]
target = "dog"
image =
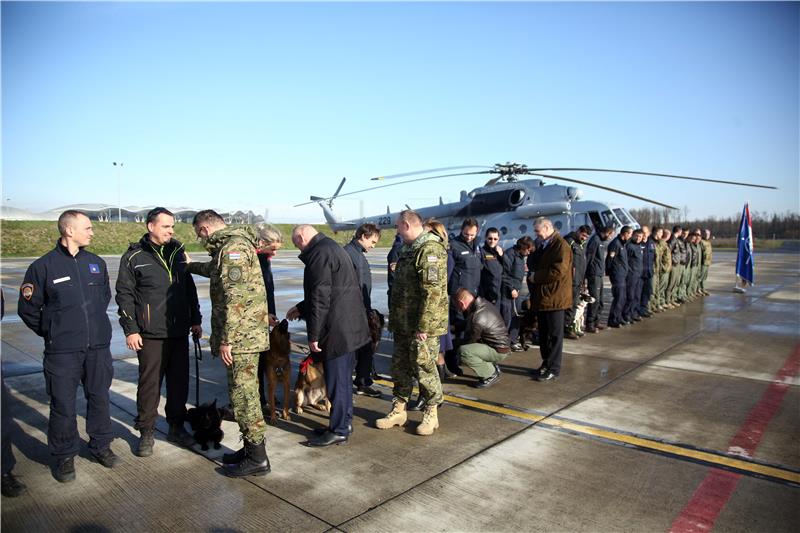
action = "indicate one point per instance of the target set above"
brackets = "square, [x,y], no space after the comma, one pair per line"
[376,322]
[528,325]
[310,391]
[279,367]
[206,422]
[583,300]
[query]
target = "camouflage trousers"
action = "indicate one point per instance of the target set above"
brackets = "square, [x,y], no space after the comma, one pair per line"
[243,391]
[416,359]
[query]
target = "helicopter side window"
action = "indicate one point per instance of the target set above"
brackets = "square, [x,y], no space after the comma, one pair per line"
[558,224]
[503,230]
[523,228]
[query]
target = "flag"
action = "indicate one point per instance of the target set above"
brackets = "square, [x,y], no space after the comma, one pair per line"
[744,259]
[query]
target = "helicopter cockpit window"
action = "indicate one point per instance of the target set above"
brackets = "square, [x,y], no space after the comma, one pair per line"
[503,230]
[623,217]
[609,219]
[523,228]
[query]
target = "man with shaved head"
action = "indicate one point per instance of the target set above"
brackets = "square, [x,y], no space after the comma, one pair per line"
[336,322]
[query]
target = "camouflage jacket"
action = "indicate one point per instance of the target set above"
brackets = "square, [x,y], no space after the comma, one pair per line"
[706,252]
[239,314]
[663,263]
[419,291]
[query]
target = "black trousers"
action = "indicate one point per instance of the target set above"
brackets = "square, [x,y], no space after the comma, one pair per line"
[262,378]
[7,430]
[160,358]
[594,285]
[364,366]
[510,317]
[647,293]
[633,289]
[618,295]
[338,373]
[551,338]
[569,314]
[63,372]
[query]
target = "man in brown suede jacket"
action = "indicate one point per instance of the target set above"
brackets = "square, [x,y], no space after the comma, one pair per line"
[551,295]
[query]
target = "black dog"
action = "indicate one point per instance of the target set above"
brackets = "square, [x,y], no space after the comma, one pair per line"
[206,422]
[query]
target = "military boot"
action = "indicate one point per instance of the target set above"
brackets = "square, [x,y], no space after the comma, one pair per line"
[179,435]
[430,421]
[255,462]
[235,457]
[396,417]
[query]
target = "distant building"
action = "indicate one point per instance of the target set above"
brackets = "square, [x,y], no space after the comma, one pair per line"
[109,213]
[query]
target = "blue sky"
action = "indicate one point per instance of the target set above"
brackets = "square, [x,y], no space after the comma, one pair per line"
[258,105]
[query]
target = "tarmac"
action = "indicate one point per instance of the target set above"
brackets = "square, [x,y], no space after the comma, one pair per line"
[687,421]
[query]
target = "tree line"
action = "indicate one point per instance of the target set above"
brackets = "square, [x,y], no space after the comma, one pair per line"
[765,225]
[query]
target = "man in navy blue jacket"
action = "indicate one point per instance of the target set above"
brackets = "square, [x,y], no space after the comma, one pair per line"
[64,298]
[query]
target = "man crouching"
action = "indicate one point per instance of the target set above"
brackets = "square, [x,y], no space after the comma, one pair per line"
[485,338]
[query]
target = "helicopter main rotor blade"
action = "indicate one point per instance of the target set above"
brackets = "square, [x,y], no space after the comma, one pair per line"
[652,174]
[400,183]
[416,172]
[604,188]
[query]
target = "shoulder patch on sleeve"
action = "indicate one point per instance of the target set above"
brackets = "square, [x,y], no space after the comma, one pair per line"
[433,273]
[432,259]
[26,290]
[234,256]
[235,273]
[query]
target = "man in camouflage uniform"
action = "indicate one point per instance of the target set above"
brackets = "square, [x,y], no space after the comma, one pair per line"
[677,250]
[663,267]
[239,330]
[707,253]
[697,262]
[417,317]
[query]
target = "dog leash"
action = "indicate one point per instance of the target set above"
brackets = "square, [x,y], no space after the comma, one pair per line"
[198,355]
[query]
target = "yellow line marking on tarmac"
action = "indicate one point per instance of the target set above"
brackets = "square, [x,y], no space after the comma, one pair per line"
[640,442]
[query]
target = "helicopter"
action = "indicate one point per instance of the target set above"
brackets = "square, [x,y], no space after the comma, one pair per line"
[509,203]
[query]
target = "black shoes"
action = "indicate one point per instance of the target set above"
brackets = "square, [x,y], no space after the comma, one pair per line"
[12,487]
[416,405]
[591,329]
[613,325]
[107,458]
[571,335]
[321,431]
[64,471]
[491,380]
[178,435]
[146,443]
[328,438]
[547,375]
[368,391]
[254,463]
[233,458]
[517,347]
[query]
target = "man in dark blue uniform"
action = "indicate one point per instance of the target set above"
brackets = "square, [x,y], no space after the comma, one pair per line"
[364,240]
[64,298]
[513,274]
[617,270]
[467,259]
[648,264]
[595,271]
[633,281]
[577,243]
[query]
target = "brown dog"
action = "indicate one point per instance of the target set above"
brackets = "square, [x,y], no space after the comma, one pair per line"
[279,367]
[310,388]
[376,323]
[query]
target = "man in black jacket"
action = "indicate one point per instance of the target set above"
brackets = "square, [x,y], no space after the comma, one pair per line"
[633,282]
[64,298]
[158,308]
[513,274]
[492,267]
[336,322]
[595,271]
[577,243]
[617,270]
[485,338]
[365,239]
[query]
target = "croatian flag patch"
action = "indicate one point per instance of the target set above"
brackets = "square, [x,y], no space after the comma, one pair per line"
[234,256]
[94,269]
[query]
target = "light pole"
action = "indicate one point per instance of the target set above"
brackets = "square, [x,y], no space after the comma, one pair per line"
[119,190]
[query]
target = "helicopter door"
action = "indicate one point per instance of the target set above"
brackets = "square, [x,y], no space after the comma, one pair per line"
[580,219]
[597,222]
